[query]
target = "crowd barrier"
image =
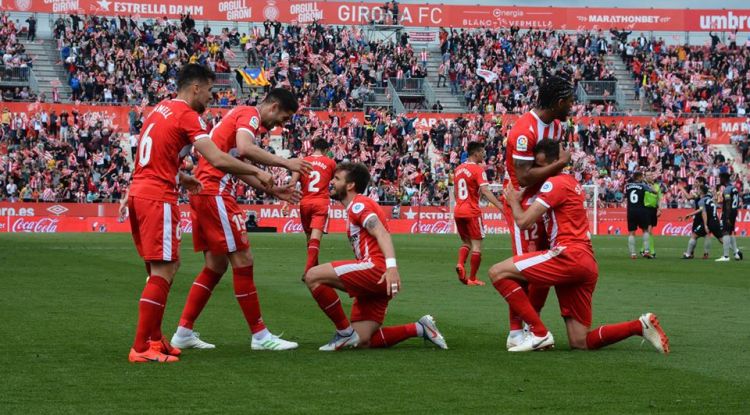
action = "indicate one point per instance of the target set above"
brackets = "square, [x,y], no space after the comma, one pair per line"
[74,217]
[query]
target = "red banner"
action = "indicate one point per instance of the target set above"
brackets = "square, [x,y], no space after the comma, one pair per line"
[412,15]
[718,130]
[72,217]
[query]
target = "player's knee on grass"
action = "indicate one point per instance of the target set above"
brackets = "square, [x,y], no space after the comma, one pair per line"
[365,331]
[577,333]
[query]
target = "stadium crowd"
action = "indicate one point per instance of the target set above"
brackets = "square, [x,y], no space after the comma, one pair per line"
[84,157]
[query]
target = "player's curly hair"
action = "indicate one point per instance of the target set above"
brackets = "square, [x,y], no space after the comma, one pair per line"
[553,89]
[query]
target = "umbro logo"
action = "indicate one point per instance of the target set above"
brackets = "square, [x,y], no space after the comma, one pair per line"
[57,209]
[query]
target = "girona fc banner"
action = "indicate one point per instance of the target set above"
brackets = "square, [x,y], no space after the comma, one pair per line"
[718,130]
[411,15]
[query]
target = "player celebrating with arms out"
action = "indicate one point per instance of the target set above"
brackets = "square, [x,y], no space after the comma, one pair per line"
[372,279]
[218,222]
[569,265]
[169,131]
[469,182]
[316,199]
[544,122]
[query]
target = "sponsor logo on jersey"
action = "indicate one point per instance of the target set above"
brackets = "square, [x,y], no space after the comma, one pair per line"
[254,122]
[546,188]
[358,207]
[522,143]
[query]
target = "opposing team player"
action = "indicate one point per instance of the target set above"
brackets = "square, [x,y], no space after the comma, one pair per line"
[316,199]
[218,222]
[638,215]
[372,278]
[569,266]
[168,132]
[544,122]
[708,222]
[730,205]
[469,183]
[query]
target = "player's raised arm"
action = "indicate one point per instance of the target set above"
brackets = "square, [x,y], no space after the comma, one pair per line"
[249,150]
[391,276]
[229,164]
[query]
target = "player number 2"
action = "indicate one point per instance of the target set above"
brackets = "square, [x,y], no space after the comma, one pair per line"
[314,180]
[237,219]
[463,190]
[145,146]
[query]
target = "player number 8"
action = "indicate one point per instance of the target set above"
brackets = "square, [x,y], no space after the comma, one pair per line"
[145,146]
[463,190]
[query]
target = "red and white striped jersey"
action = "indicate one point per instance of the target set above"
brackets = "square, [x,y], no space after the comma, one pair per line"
[365,246]
[526,132]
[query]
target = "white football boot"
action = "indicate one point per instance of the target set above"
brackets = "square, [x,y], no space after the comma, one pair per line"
[191,341]
[532,342]
[272,342]
[339,342]
[431,332]
[653,332]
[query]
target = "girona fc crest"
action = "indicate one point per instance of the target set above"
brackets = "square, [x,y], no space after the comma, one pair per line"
[23,5]
[270,12]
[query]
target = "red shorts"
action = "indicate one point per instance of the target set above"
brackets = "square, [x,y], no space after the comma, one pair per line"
[155,226]
[470,228]
[218,225]
[360,279]
[314,215]
[527,240]
[572,271]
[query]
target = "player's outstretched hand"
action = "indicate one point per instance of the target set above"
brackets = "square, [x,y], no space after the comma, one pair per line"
[191,184]
[288,194]
[565,155]
[392,281]
[266,179]
[299,166]
[123,211]
[511,194]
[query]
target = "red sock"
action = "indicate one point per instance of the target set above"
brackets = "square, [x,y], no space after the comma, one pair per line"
[515,321]
[391,336]
[538,296]
[150,311]
[313,249]
[476,259]
[198,296]
[514,294]
[463,253]
[247,296]
[613,333]
[329,302]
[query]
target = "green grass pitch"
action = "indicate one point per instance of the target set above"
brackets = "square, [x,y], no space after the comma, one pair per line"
[68,311]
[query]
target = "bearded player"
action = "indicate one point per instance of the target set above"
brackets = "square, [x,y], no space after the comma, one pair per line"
[554,102]
[168,133]
[569,266]
[316,199]
[469,182]
[218,222]
[372,278]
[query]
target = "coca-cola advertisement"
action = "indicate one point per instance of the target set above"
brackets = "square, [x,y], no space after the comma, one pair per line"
[34,225]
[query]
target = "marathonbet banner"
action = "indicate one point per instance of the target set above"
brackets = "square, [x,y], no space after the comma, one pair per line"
[413,15]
